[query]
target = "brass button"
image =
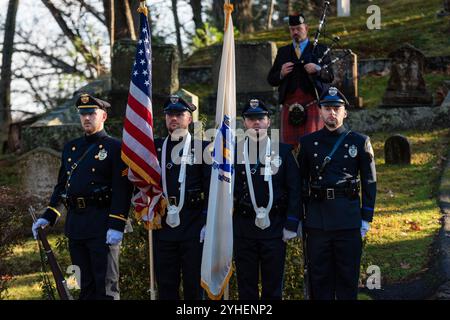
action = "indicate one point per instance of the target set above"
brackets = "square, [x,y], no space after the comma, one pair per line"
[93,169]
[68,172]
[73,148]
[70,159]
[100,146]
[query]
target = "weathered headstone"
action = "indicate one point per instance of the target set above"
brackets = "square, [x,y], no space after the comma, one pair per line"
[254,60]
[406,86]
[345,73]
[38,172]
[165,63]
[397,150]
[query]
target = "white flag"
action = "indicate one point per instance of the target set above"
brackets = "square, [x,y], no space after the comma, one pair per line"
[218,245]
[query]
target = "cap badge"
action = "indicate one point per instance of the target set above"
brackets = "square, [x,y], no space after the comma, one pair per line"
[254,103]
[85,98]
[333,91]
[174,99]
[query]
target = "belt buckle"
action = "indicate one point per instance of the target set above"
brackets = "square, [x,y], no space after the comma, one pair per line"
[81,204]
[330,194]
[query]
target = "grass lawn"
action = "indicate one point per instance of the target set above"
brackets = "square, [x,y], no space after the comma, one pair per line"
[412,21]
[25,269]
[407,215]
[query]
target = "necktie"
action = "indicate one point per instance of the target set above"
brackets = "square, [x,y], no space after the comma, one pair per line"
[297,51]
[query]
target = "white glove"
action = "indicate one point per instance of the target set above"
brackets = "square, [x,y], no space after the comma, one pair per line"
[113,237]
[365,226]
[203,233]
[288,235]
[40,223]
[300,230]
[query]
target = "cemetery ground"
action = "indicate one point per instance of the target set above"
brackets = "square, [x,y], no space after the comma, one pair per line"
[412,21]
[401,239]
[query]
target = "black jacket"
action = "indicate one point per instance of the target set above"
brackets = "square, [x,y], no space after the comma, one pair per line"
[299,78]
[92,173]
[286,206]
[198,175]
[353,158]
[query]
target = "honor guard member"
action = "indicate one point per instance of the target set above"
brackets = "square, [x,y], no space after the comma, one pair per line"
[335,163]
[267,206]
[94,187]
[299,78]
[185,181]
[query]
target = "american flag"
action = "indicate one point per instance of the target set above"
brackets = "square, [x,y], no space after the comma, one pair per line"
[138,147]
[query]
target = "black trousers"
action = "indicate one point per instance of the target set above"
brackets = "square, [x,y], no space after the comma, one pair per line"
[91,255]
[176,258]
[334,263]
[250,256]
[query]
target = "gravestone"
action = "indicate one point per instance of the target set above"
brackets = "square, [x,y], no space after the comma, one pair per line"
[253,62]
[38,172]
[165,63]
[397,150]
[406,86]
[345,73]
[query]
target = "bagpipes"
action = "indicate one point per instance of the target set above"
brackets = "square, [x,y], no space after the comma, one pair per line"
[334,40]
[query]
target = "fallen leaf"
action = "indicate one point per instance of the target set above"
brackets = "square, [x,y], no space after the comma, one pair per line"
[405,265]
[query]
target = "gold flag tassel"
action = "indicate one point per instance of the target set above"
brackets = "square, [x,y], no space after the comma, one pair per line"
[228,8]
[143,8]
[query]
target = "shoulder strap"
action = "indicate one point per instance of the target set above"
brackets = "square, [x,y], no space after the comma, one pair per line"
[76,163]
[329,157]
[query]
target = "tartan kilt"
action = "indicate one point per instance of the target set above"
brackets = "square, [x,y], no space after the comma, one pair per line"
[291,134]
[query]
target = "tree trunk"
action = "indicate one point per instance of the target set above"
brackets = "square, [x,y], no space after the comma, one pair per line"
[5,76]
[196,6]
[177,28]
[244,16]
[126,19]
[270,14]
[217,14]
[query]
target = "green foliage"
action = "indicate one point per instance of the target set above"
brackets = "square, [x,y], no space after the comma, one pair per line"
[206,36]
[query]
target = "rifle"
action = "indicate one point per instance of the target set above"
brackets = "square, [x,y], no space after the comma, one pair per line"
[61,285]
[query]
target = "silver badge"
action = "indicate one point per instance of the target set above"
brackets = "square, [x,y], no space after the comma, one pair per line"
[276,161]
[174,99]
[254,103]
[102,154]
[332,91]
[352,151]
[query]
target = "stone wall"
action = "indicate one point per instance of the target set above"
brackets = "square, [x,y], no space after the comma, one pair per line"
[397,119]
[366,66]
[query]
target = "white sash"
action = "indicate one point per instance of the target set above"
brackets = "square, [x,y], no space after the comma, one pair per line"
[173,212]
[262,220]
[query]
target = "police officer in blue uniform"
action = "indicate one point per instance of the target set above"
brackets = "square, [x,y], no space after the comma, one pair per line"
[94,187]
[336,165]
[267,206]
[185,181]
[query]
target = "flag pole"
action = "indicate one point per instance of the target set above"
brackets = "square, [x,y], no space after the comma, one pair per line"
[143,9]
[152,265]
